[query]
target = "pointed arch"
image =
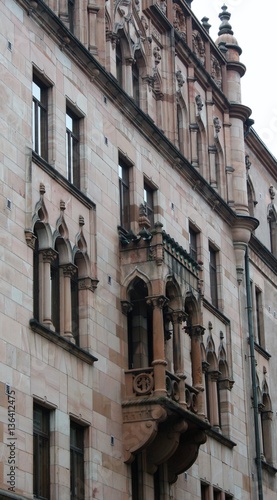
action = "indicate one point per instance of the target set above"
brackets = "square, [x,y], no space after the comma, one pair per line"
[127,283]
[182,125]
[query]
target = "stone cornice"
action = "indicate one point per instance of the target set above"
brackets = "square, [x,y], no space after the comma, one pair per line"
[263,253]
[240,111]
[263,154]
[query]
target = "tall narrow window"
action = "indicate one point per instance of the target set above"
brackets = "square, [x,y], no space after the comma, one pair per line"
[148,196]
[75,307]
[39,118]
[140,330]
[259,317]
[204,491]
[123,173]
[72,148]
[41,449]
[213,275]
[180,127]
[119,64]
[55,293]
[193,243]
[135,79]
[70,4]
[77,473]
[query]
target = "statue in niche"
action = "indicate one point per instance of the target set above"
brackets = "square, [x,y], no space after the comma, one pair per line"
[199,102]
[179,21]
[217,125]
[180,78]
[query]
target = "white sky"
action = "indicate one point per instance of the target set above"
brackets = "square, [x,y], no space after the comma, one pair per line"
[255,30]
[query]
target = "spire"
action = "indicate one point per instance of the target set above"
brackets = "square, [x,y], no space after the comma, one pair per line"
[225,26]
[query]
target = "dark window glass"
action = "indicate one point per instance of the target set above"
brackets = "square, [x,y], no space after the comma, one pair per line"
[149,203]
[123,173]
[259,322]
[70,4]
[36,288]
[157,484]
[179,126]
[55,293]
[193,244]
[77,475]
[39,118]
[75,307]
[119,64]
[204,492]
[41,457]
[72,148]
[213,276]
[135,77]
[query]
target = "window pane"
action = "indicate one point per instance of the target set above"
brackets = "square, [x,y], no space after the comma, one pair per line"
[41,453]
[77,479]
[39,118]
[124,197]
[193,243]
[72,148]
[213,277]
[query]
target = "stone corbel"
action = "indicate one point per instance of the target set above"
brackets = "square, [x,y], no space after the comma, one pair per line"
[30,239]
[140,427]
[186,453]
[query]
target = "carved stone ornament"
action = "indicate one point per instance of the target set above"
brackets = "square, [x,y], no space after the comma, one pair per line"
[198,46]
[217,125]
[199,102]
[216,71]
[180,78]
[162,5]
[157,55]
[272,192]
[30,239]
[247,162]
[179,21]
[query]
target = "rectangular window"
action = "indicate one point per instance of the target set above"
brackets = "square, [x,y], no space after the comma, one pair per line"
[39,118]
[193,243]
[148,196]
[204,491]
[77,473]
[124,194]
[70,4]
[72,147]
[41,449]
[259,326]
[213,275]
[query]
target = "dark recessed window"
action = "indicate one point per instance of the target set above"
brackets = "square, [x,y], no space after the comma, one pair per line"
[39,118]
[41,448]
[213,275]
[72,148]
[148,195]
[193,243]
[77,474]
[124,194]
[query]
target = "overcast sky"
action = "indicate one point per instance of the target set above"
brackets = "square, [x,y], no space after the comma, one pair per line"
[255,30]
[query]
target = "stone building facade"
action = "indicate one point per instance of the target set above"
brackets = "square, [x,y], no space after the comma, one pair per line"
[138,295]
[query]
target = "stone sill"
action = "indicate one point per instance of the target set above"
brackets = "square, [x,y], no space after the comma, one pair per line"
[62,342]
[269,468]
[221,439]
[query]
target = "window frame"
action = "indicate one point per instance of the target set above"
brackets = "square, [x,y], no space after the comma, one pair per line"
[124,193]
[213,273]
[73,147]
[40,117]
[193,245]
[77,461]
[41,491]
[148,199]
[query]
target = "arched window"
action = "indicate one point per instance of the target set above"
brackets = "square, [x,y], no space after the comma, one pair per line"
[140,337]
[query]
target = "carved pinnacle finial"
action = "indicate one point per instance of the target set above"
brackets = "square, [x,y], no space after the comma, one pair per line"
[225,26]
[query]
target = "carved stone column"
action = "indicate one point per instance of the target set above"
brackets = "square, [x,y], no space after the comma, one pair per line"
[178,359]
[213,399]
[196,333]
[159,362]
[68,271]
[92,20]
[46,257]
